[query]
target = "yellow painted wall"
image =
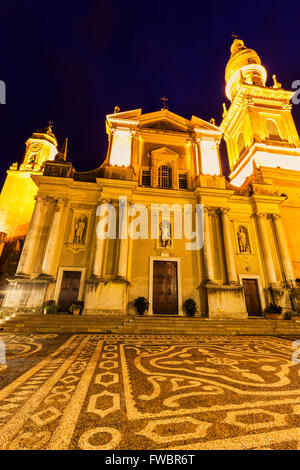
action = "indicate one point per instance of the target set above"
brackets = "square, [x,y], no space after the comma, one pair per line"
[16,203]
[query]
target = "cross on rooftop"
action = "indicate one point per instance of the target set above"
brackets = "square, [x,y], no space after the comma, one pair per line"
[164,99]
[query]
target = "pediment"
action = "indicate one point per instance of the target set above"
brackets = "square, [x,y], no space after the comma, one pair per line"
[165,153]
[164,120]
[164,125]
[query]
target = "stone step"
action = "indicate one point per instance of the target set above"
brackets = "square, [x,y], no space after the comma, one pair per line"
[28,323]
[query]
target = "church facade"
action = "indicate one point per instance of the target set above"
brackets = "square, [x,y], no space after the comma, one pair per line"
[89,235]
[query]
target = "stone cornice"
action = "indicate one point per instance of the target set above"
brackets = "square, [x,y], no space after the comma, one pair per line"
[246,96]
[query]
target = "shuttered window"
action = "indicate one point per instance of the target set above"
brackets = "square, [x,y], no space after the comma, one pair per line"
[272,130]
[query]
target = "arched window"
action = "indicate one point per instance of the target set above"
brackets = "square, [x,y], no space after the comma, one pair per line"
[272,130]
[164,176]
[241,143]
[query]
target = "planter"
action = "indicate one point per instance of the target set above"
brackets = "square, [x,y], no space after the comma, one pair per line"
[76,308]
[273,312]
[273,316]
[190,307]
[50,310]
[141,304]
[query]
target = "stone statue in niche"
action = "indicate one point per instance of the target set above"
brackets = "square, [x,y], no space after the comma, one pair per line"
[32,161]
[165,234]
[80,229]
[243,239]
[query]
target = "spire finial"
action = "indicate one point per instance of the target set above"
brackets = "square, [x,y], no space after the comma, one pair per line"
[224,110]
[276,83]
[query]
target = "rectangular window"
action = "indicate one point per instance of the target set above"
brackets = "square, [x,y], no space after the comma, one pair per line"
[182,181]
[164,176]
[146,178]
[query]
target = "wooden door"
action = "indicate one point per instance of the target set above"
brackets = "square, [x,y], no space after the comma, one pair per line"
[165,297]
[252,297]
[69,290]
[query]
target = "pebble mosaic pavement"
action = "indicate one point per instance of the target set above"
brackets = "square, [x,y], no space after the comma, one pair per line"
[106,392]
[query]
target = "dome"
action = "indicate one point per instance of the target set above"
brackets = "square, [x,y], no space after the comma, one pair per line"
[244,66]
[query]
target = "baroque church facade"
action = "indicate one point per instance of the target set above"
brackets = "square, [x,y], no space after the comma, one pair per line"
[49,213]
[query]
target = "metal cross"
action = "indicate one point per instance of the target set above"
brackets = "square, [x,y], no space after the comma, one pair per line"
[164,99]
[233,35]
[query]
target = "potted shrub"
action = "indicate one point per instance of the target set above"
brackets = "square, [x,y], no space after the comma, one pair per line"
[50,307]
[190,307]
[295,316]
[287,315]
[76,309]
[273,312]
[141,304]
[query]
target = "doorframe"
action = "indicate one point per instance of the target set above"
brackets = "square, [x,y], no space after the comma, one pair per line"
[259,286]
[179,292]
[61,270]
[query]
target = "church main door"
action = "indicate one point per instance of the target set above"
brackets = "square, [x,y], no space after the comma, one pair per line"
[69,290]
[165,295]
[252,297]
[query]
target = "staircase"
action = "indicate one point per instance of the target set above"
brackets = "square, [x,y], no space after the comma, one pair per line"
[203,326]
[32,323]
[168,325]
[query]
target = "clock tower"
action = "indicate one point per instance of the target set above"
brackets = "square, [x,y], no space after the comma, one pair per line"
[40,147]
[17,196]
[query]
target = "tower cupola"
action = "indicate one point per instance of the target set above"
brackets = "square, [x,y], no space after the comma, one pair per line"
[244,66]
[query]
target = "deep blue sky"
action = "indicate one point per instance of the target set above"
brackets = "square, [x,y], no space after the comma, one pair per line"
[73,61]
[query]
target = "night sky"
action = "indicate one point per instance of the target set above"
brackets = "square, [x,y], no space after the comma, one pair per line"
[72,61]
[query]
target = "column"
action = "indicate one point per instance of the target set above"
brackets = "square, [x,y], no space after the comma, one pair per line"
[229,252]
[123,236]
[32,238]
[99,247]
[134,153]
[267,254]
[283,249]
[207,250]
[51,249]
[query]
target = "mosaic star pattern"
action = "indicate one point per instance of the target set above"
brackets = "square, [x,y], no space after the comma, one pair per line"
[149,392]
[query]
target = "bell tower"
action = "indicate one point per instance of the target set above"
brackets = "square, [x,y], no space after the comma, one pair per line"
[258,126]
[40,147]
[17,196]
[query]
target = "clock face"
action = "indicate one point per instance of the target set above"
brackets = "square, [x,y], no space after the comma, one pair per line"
[35,147]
